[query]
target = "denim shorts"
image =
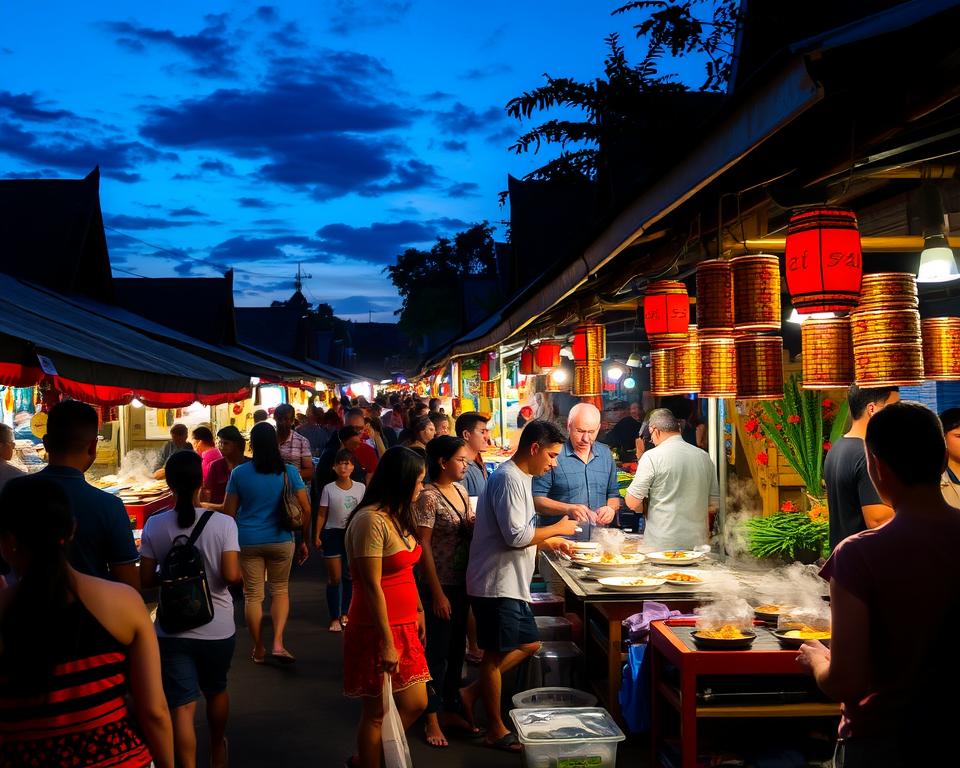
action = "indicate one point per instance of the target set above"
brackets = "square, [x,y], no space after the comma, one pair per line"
[504,623]
[332,541]
[190,667]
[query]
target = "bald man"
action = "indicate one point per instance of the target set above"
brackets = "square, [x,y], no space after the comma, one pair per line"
[583,486]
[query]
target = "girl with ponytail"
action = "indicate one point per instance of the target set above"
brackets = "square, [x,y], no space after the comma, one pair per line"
[195,661]
[71,648]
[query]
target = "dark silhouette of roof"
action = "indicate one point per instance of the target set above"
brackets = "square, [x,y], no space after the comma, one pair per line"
[51,233]
[271,328]
[201,307]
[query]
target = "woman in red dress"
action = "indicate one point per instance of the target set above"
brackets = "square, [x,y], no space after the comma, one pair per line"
[385,633]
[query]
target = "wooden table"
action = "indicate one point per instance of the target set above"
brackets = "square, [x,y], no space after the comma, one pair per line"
[670,644]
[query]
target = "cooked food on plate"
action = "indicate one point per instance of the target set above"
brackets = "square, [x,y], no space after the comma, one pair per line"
[768,608]
[608,559]
[726,632]
[677,576]
[807,633]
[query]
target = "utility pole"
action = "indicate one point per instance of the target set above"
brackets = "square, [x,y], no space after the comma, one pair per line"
[301,276]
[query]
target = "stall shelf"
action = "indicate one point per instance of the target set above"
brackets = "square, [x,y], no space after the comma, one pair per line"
[671,645]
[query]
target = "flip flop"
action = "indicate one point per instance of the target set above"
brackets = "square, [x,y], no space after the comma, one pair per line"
[255,660]
[506,743]
[283,656]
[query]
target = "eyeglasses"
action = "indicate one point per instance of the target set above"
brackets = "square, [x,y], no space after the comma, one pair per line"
[463,460]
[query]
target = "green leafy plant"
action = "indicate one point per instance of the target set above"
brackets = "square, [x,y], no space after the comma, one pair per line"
[787,534]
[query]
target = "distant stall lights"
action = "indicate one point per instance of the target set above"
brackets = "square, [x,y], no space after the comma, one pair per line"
[614,373]
[559,376]
[136,403]
[629,383]
[361,389]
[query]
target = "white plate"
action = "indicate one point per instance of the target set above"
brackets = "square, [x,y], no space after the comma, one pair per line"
[689,557]
[635,560]
[629,583]
[678,583]
[586,546]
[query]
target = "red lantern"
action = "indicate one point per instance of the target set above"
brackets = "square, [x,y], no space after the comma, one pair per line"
[528,362]
[548,354]
[589,343]
[485,369]
[824,264]
[666,313]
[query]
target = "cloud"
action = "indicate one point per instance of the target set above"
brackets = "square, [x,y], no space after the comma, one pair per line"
[191,212]
[380,243]
[483,73]
[356,305]
[461,119]
[267,14]
[210,50]
[438,96]
[454,146]
[463,189]
[409,175]
[504,137]
[243,249]
[255,202]
[218,166]
[123,221]
[27,107]
[351,16]
[68,151]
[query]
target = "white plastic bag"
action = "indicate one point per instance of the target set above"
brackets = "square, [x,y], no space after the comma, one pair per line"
[396,751]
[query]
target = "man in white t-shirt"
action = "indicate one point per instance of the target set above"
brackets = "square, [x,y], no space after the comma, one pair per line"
[679,483]
[502,560]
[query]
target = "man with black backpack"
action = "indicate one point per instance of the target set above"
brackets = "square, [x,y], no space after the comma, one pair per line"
[198,556]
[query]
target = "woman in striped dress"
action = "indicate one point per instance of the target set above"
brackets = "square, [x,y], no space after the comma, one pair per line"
[72,647]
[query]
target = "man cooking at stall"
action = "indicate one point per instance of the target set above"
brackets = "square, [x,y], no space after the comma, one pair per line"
[679,484]
[583,486]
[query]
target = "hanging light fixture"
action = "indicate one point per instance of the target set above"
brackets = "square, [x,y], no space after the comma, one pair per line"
[635,360]
[823,260]
[666,313]
[615,372]
[548,354]
[589,343]
[938,264]
[528,362]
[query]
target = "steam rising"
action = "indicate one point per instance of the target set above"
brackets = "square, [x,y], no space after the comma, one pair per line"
[136,468]
[727,610]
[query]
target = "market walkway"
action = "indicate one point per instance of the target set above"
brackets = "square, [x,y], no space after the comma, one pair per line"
[286,717]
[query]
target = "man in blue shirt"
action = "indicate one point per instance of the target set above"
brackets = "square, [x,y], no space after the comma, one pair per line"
[102,541]
[472,427]
[583,486]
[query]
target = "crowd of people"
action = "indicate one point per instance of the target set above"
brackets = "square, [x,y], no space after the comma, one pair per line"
[429,561]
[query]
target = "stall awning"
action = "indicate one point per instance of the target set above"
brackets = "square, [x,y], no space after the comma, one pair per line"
[97,359]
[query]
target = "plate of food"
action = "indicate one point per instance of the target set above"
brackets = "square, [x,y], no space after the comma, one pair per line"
[680,579]
[589,547]
[675,557]
[608,562]
[629,583]
[770,612]
[728,637]
[794,638]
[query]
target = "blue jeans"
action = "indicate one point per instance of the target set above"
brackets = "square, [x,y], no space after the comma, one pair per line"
[338,595]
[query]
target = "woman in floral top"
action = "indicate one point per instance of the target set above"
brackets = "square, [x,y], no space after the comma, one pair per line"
[444,527]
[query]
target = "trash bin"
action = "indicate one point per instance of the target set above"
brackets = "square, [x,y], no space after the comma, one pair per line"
[554,628]
[553,698]
[557,663]
[556,737]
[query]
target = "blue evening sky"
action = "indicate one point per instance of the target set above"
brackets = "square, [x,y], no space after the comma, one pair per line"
[334,133]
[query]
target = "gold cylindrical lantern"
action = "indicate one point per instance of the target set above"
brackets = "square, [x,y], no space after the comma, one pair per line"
[888,290]
[589,343]
[718,367]
[888,365]
[759,367]
[756,293]
[666,313]
[827,353]
[693,334]
[557,380]
[941,348]
[885,326]
[686,369]
[587,380]
[662,364]
[714,298]
[490,389]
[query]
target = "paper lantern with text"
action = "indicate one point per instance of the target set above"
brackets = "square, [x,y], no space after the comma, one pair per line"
[827,353]
[587,380]
[666,313]
[718,367]
[528,362]
[824,264]
[589,343]
[548,354]
[759,367]
[714,298]
[756,293]
[888,365]
[662,365]
[888,290]
[686,369]
[941,348]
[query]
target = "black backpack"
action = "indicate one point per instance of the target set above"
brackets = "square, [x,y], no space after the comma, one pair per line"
[185,599]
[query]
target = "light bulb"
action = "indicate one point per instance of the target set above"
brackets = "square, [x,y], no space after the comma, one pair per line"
[937,262]
[559,376]
[629,382]
[136,403]
[614,373]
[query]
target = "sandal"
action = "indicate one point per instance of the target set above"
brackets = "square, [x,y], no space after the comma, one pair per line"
[283,656]
[255,660]
[506,743]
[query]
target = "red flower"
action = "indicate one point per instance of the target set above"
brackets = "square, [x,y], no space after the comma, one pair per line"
[758,435]
[788,506]
[828,403]
[779,427]
[793,419]
[751,424]
[827,445]
[762,458]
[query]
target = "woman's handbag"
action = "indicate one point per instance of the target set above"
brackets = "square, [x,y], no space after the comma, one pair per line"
[291,516]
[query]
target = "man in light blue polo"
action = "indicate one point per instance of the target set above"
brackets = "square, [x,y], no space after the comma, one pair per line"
[583,486]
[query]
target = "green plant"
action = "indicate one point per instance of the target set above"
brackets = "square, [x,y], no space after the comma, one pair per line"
[796,426]
[786,533]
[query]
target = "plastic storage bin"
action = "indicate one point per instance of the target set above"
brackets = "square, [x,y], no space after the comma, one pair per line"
[546,604]
[557,663]
[554,628]
[556,738]
[554,698]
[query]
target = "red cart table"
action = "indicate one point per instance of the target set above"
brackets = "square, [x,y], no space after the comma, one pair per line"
[138,513]
[668,646]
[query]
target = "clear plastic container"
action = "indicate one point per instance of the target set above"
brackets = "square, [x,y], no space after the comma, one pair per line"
[567,738]
[539,698]
[557,663]
[554,628]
